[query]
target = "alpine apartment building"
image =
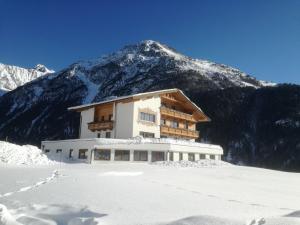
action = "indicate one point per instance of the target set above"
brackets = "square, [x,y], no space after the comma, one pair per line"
[166,118]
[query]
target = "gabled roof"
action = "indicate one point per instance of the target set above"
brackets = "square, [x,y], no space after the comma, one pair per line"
[143,95]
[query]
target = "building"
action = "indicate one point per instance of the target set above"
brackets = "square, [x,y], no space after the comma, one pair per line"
[166,118]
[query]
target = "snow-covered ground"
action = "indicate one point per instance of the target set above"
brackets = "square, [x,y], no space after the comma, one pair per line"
[140,193]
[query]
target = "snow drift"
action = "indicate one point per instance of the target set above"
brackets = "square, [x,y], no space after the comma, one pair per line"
[22,155]
[202,163]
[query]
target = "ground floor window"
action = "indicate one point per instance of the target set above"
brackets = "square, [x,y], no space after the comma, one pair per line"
[71,153]
[82,154]
[47,150]
[146,134]
[122,155]
[212,157]
[191,157]
[202,156]
[102,154]
[140,156]
[158,156]
[180,156]
[58,150]
[171,156]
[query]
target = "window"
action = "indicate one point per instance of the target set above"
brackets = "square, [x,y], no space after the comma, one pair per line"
[174,124]
[186,125]
[202,156]
[171,156]
[122,155]
[140,156]
[163,122]
[110,117]
[191,157]
[212,157]
[102,154]
[180,156]
[98,135]
[102,118]
[157,156]
[47,150]
[146,134]
[71,154]
[82,154]
[107,135]
[58,150]
[147,117]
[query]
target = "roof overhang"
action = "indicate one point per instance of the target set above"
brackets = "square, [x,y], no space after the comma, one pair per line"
[183,98]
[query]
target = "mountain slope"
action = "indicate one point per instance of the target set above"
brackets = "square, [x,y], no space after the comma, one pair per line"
[38,110]
[12,77]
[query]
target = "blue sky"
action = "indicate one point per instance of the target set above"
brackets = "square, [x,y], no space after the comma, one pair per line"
[261,38]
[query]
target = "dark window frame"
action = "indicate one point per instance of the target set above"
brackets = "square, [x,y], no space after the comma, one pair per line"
[147,134]
[138,155]
[102,154]
[123,154]
[149,117]
[80,153]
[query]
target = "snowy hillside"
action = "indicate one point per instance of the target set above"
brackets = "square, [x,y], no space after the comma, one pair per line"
[140,193]
[12,77]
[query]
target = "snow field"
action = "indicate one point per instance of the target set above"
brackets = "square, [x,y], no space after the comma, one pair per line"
[139,193]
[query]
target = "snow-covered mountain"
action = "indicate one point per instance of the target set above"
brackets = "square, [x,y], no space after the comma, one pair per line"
[242,106]
[134,63]
[12,77]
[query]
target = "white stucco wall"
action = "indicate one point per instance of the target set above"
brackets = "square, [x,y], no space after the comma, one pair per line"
[124,120]
[87,116]
[153,104]
[112,144]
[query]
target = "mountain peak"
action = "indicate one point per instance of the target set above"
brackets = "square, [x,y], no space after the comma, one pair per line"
[43,69]
[12,77]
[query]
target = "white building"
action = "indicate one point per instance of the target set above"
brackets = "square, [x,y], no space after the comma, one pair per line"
[166,118]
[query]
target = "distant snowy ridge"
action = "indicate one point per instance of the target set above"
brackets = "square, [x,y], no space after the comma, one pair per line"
[12,77]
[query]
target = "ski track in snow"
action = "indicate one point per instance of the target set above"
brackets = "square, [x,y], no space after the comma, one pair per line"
[54,175]
[167,185]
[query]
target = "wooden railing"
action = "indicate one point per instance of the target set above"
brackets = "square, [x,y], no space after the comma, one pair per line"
[102,125]
[176,114]
[194,134]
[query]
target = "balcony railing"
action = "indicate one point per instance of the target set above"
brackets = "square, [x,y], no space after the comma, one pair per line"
[194,134]
[102,125]
[176,114]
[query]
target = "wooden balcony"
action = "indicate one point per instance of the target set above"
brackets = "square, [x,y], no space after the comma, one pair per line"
[185,133]
[102,125]
[164,111]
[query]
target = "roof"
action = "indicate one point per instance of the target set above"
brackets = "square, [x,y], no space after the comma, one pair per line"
[139,96]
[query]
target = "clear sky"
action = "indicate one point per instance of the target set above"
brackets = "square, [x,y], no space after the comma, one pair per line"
[260,37]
